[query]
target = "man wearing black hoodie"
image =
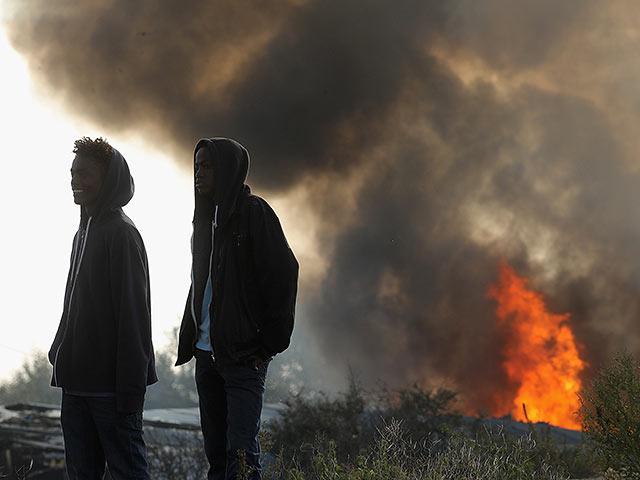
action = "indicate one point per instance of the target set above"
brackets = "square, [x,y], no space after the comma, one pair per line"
[240,308]
[102,354]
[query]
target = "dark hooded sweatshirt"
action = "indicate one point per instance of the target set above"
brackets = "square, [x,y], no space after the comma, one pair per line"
[103,343]
[238,240]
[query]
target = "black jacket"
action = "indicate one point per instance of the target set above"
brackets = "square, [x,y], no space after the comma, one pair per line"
[103,343]
[254,272]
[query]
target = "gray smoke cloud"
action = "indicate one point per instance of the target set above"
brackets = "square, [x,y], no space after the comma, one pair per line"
[430,139]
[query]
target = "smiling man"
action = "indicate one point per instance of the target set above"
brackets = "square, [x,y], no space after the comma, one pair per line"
[102,354]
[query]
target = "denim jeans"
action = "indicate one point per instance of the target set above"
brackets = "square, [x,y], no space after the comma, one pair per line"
[94,432]
[230,406]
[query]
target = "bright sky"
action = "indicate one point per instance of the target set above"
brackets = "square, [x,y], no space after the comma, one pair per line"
[39,217]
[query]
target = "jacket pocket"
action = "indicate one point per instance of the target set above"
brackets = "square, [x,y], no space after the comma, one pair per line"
[242,350]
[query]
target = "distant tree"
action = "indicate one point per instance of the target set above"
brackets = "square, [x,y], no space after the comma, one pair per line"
[176,387]
[286,377]
[31,383]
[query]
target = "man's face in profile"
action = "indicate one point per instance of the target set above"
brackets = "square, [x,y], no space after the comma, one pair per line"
[205,184]
[87,177]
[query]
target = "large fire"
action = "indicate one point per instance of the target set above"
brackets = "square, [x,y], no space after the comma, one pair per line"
[541,353]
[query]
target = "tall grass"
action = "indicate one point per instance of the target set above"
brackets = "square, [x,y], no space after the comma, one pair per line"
[412,434]
[395,456]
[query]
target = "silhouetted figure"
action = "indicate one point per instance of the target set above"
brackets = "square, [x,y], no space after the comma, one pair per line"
[240,308]
[102,354]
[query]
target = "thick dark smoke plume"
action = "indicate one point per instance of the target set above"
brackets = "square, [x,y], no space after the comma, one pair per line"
[426,140]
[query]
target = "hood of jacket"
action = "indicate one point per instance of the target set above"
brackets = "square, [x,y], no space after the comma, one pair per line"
[117,188]
[230,168]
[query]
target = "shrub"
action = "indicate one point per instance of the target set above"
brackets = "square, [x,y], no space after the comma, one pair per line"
[308,421]
[422,413]
[351,419]
[610,415]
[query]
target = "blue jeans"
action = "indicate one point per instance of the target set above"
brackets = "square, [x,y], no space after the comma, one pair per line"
[94,432]
[230,406]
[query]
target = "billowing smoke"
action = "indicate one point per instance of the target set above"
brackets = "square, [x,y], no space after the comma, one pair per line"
[424,140]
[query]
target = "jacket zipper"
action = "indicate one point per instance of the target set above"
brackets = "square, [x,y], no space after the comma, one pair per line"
[193,285]
[211,261]
[74,276]
[214,224]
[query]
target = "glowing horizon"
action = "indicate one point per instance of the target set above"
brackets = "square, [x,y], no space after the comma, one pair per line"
[46,219]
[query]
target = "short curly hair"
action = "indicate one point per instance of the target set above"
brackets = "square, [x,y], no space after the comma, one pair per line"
[99,149]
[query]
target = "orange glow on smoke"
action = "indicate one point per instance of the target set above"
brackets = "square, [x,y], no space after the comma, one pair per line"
[541,353]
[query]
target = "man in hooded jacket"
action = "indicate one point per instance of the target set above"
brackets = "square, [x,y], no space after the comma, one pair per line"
[240,308]
[102,354]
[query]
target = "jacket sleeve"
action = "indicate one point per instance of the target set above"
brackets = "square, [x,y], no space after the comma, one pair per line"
[187,334]
[276,270]
[129,277]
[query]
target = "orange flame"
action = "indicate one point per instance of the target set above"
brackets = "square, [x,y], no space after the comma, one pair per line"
[541,354]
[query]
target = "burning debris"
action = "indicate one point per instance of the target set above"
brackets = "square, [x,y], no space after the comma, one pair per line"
[541,355]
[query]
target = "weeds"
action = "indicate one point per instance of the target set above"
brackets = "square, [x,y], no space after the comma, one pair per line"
[20,472]
[396,457]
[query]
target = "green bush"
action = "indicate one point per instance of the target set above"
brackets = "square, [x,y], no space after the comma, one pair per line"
[422,413]
[610,415]
[306,421]
[351,420]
